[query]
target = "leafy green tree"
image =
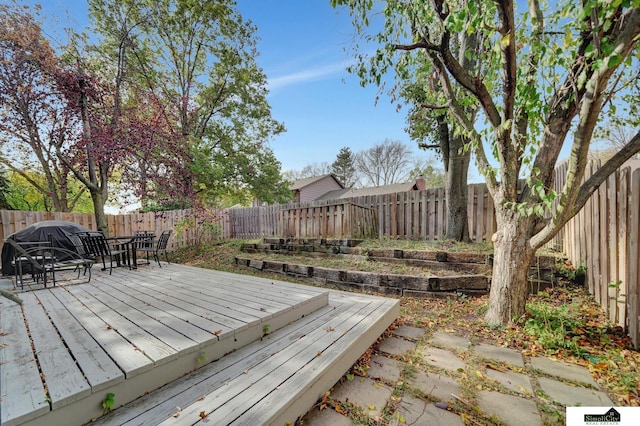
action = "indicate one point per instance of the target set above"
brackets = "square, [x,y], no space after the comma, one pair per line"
[433,177]
[21,194]
[436,129]
[429,121]
[4,190]
[198,60]
[550,75]
[344,167]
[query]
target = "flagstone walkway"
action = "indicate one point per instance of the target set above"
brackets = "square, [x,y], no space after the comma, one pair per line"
[499,385]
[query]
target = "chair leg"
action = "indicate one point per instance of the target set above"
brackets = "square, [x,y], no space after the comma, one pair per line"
[166,256]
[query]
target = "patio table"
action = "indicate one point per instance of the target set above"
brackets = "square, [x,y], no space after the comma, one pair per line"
[123,244]
[128,244]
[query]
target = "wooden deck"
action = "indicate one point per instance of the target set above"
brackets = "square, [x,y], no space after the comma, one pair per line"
[150,337]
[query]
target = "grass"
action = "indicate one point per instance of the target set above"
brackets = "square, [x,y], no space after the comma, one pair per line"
[564,322]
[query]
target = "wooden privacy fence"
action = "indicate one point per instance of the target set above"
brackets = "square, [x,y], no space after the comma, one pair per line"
[403,215]
[329,220]
[603,237]
[14,221]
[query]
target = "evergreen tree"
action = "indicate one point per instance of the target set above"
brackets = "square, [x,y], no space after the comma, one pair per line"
[344,167]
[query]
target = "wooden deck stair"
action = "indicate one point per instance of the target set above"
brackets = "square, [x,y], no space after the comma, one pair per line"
[274,380]
[154,332]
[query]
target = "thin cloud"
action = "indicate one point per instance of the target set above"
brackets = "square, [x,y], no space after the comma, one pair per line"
[306,76]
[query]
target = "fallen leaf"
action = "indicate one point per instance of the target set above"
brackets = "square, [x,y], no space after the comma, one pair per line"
[203,414]
[217,332]
[493,367]
[523,390]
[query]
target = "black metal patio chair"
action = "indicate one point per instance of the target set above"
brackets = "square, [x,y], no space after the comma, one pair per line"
[141,241]
[95,244]
[160,247]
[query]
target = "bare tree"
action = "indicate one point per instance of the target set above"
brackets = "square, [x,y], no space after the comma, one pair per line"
[310,170]
[385,163]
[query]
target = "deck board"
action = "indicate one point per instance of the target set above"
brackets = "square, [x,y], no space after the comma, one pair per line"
[22,391]
[129,360]
[202,318]
[213,311]
[266,378]
[99,369]
[166,314]
[177,336]
[64,380]
[174,340]
[141,340]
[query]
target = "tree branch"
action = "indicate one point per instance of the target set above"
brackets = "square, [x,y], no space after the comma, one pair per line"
[587,189]
[509,59]
[436,107]
[593,182]
[458,111]
[26,177]
[422,44]
[425,146]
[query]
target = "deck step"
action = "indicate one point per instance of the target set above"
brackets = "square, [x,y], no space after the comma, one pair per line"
[130,333]
[274,380]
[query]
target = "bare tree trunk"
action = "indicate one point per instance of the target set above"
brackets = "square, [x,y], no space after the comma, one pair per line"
[512,258]
[98,208]
[98,193]
[457,169]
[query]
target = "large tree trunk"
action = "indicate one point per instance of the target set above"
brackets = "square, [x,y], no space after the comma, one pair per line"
[457,170]
[98,208]
[512,257]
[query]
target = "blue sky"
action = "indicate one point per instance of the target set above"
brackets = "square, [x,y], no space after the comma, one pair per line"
[304,52]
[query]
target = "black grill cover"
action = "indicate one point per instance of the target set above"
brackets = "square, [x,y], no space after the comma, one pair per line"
[59,229]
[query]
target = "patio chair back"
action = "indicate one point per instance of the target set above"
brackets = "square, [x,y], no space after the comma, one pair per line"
[161,246]
[163,240]
[96,245]
[79,246]
[143,239]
